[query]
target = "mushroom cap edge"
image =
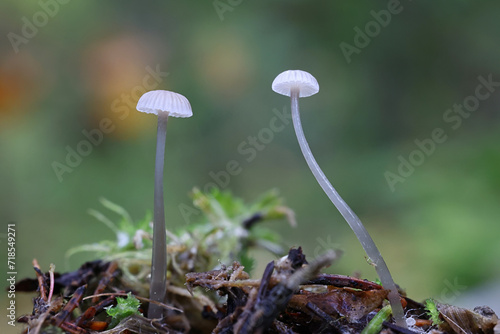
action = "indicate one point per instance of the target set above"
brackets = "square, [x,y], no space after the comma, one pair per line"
[155,101]
[304,81]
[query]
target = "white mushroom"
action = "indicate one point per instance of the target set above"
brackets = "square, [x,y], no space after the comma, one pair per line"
[298,84]
[164,104]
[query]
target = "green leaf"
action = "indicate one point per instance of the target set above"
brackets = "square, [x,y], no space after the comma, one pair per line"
[103,219]
[375,325]
[124,308]
[117,209]
[432,311]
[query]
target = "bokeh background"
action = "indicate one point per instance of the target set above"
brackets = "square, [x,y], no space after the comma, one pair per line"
[67,65]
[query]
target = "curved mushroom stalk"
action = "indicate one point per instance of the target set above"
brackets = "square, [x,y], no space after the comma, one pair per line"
[301,84]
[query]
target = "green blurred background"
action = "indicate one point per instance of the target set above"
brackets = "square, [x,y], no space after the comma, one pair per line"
[85,61]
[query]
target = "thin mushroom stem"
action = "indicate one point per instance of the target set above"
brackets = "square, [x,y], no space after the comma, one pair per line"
[158,285]
[351,218]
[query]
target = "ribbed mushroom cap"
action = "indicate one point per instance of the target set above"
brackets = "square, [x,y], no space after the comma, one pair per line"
[301,80]
[176,105]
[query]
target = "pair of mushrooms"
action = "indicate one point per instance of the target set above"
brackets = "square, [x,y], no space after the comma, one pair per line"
[295,84]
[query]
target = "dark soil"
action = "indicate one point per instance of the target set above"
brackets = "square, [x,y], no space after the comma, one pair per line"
[291,297]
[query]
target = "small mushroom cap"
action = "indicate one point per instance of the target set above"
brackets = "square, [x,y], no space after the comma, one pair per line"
[155,101]
[295,79]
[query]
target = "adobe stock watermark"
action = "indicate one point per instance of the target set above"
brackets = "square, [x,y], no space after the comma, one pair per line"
[94,137]
[11,273]
[453,119]
[363,37]
[222,6]
[30,25]
[324,245]
[248,150]
[451,291]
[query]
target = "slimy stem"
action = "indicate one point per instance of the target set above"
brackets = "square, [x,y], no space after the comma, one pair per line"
[351,218]
[158,285]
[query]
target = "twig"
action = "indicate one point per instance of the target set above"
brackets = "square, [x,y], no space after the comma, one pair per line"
[330,322]
[41,280]
[398,329]
[51,275]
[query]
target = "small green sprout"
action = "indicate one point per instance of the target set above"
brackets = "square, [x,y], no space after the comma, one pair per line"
[125,307]
[375,325]
[432,311]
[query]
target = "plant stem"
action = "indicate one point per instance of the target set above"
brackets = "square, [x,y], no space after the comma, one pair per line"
[375,325]
[351,218]
[158,285]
